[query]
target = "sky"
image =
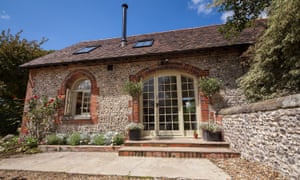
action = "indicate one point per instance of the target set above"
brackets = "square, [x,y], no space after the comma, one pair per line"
[67,22]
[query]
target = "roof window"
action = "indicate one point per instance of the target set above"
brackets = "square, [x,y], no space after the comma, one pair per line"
[86,49]
[143,43]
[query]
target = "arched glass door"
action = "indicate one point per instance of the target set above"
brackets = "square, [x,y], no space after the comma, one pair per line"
[169,105]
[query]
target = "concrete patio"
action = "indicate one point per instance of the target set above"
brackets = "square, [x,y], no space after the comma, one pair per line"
[109,163]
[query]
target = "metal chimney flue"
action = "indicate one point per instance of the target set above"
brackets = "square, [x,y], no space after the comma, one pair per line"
[124,38]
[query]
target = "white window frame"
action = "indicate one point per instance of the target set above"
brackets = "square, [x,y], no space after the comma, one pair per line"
[71,98]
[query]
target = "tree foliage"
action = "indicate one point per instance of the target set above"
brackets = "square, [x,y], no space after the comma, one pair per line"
[276,64]
[14,51]
[11,111]
[245,12]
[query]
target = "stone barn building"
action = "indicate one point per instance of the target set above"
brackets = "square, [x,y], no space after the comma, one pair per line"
[90,77]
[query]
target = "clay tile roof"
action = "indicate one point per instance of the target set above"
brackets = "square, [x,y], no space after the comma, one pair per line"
[164,42]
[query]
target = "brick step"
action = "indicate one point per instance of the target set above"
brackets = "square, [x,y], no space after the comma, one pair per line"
[179,152]
[166,143]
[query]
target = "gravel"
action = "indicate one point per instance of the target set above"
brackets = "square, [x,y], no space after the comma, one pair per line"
[240,169]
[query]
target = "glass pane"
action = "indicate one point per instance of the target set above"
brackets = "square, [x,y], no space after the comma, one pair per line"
[168,110]
[84,85]
[148,104]
[168,103]
[175,126]
[82,97]
[188,103]
[86,103]
[78,103]
[151,110]
[168,118]
[151,126]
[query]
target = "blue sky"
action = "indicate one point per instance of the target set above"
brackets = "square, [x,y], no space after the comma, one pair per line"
[66,22]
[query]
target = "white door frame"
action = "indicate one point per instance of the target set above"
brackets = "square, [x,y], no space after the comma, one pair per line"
[181,131]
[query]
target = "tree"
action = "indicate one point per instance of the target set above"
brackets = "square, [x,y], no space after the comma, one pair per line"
[14,51]
[275,70]
[245,12]
[275,63]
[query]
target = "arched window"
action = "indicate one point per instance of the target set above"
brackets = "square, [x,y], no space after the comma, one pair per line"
[78,99]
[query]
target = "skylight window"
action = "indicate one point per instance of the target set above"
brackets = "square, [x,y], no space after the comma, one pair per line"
[86,49]
[143,43]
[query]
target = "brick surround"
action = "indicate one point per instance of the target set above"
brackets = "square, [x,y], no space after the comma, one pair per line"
[69,81]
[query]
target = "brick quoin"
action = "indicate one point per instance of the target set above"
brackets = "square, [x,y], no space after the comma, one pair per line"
[204,106]
[29,94]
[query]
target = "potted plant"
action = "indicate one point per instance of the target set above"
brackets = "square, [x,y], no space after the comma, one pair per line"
[134,89]
[134,130]
[209,86]
[195,134]
[212,131]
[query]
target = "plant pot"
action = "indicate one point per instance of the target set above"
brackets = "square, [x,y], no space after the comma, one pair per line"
[195,135]
[212,136]
[135,134]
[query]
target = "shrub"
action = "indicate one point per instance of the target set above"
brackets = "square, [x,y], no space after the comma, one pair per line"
[134,125]
[41,114]
[118,139]
[209,86]
[31,142]
[54,139]
[74,139]
[99,139]
[10,144]
[84,139]
[63,137]
[19,145]
[109,137]
[211,126]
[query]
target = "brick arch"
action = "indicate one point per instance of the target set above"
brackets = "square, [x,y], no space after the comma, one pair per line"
[78,74]
[180,67]
[70,79]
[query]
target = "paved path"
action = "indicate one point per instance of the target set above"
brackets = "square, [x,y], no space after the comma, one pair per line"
[112,164]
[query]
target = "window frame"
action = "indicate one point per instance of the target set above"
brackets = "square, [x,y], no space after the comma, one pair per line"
[71,99]
[64,91]
[86,49]
[143,43]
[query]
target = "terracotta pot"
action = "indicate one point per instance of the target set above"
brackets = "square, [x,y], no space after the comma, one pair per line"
[195,135]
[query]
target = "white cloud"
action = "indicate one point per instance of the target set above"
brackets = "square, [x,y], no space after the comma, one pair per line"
[4,15]
[225,15]
[201,6]
[196,1]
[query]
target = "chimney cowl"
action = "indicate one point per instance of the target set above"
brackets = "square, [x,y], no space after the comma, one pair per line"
[124,19]
[125,5]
